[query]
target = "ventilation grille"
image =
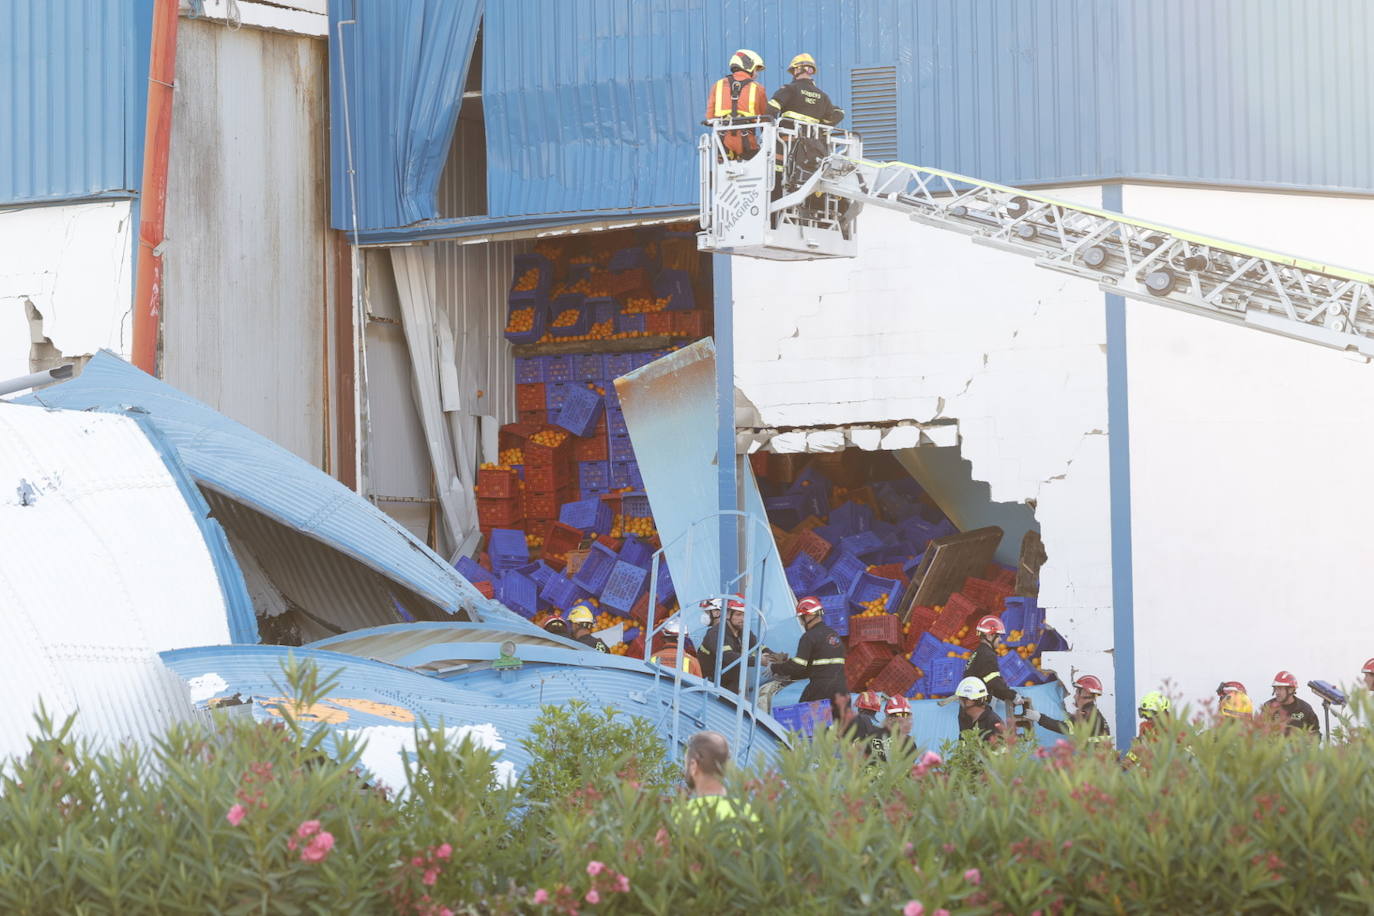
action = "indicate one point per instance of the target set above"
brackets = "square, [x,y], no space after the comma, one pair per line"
[873,91]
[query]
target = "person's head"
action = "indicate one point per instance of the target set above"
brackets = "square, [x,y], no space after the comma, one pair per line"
[556,625]
[1086,690]
[710,609]
[803,66]
[1285,687]
[810,612]
[1153,706]
[734,614]
[707,755]
[581,618]
[897,716]
[1225,688]
[1368,673]
[990,629]
[869,702]
[972,694]
[746,62]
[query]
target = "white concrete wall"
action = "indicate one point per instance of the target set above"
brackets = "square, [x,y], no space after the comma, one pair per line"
[1249,457]
[923,325]
[74,263]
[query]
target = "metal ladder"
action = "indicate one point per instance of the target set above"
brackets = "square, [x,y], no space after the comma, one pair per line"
[1228,281]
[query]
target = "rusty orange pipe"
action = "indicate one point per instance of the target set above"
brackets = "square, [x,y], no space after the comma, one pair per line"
[157,138]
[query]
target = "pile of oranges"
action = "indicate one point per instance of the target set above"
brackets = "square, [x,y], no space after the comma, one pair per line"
[640,527]
[875,608]
[488,466]
[549,438]
[567,318]
[532,540]
[641,304]
[527,280]
[603,331]
[521,320]
[511,456]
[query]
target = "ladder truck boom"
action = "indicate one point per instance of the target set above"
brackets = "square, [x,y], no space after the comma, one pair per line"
[804,205]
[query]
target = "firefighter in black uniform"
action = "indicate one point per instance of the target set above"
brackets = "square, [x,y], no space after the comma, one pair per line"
[983,665]
[1285,707]
[819,658]
[1086,690]
[864,728]
[726,635]
[896,739]
[974,712]
[582,618]
[801,101]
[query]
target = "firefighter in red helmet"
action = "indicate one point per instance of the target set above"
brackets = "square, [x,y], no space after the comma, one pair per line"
[1086,689]
[983,664]
[819,659]
[1292,714]
[1368,673]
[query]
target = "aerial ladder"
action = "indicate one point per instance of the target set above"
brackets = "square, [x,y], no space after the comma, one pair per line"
[803,204]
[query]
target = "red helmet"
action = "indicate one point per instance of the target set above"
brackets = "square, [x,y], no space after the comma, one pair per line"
[1285,679]
[870,701]
[1368,667]
[897,706]
[1090,683]
[808,606]
[992,624]
[736,603]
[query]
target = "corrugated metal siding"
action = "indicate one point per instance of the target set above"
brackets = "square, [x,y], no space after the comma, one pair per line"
[243,311]
[73,91]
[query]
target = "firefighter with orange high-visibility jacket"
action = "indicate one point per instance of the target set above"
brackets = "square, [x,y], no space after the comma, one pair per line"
[983,664]
[739,95]
[819,659]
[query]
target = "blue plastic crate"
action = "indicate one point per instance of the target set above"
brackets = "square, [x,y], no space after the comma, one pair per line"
[1051,640]
[540,573]
[636,551]
[615,421]
[844,567]
[916,532]
[893,502]
[1016,671]
[566,302]
[618,364]
[803,717]
[587,515]
[629,324]
[621,448]
[636,479]
[623,586]
[815,501]
[519,593]
[529,370]
[562,592]
[863,544]
[850,518]
[868,587]
[928,649]
[589,492]
[522,263]
[596,569]
[603,308]
[536,331]
[666,591]
[635,505]
[629,259]
[785,511]
[588,367]
[471,570]
[910,566]
[507,549]
[556,395]
[1023,614]
[836,611]
[581,409]
[676,287]
[804,574]
[828,589]
[810,478]
[645,357]
[558,368]
[922,687]
[620,474]
[593,474]
[945,674]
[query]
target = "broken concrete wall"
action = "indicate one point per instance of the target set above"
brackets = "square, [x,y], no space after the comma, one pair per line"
[66,277]
[925,326]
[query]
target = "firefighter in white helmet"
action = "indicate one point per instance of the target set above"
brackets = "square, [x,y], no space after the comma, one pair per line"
[975,713]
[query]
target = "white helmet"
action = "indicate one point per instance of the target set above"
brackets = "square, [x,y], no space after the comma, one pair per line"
[972,688]
[673,626]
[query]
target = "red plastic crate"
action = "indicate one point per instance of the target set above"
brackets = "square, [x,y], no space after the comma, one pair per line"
[548,478]
[813,545]
[961,605]
[759,462]
[689,324]
[500,513]
[530,397]
[659,322]
[640,611]
[593,447]
[544,456]
[890,571]
[919,622]
[533,417]
[513,435]
[497,483]
[543,507]
[555,563]
[946,624]
[559,539]
[628,282]
[885,629]
[486,588]
[984,593]
[788,548]
[865,661]
[896,677]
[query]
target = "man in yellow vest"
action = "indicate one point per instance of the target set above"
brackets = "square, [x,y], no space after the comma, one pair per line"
[739,95]
[707,755]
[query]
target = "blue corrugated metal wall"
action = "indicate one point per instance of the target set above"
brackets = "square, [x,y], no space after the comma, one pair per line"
[592,105]
[73,91]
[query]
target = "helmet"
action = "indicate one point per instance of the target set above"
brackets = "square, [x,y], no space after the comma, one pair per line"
[869,700]
[808,606]
[673,626]
[1368,667]
[897,706]
[582,613]
[556,625]
[799,60]
[991,624]
[1152,704]
[1285,679]
[746,60]
[1090,683]
[972,688]
[711,604]
[1228,687]
[1237,705]
[736,603]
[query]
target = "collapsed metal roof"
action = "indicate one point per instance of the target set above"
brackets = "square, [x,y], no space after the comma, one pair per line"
[350,565]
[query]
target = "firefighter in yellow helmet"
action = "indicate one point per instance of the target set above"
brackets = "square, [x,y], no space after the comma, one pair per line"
[582,618]
[739,95]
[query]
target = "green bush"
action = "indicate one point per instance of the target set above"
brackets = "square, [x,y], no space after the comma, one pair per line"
[1229,820]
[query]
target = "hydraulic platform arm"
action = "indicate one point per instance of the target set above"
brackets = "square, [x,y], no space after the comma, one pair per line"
[823,182]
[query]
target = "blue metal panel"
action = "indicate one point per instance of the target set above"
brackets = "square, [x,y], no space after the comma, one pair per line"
[252,470]
[73,91]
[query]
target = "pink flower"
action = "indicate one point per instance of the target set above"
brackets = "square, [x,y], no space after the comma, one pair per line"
[973,876]
[622,884]
[307,828]
[236,815]
[443,852]
[941,912]
[541,896]
[595,868]
[445,911]
[430,876]
[913,908]
[593,896]
[931,759]
[318,848]
[947,847]
[417,861]
[291,844]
